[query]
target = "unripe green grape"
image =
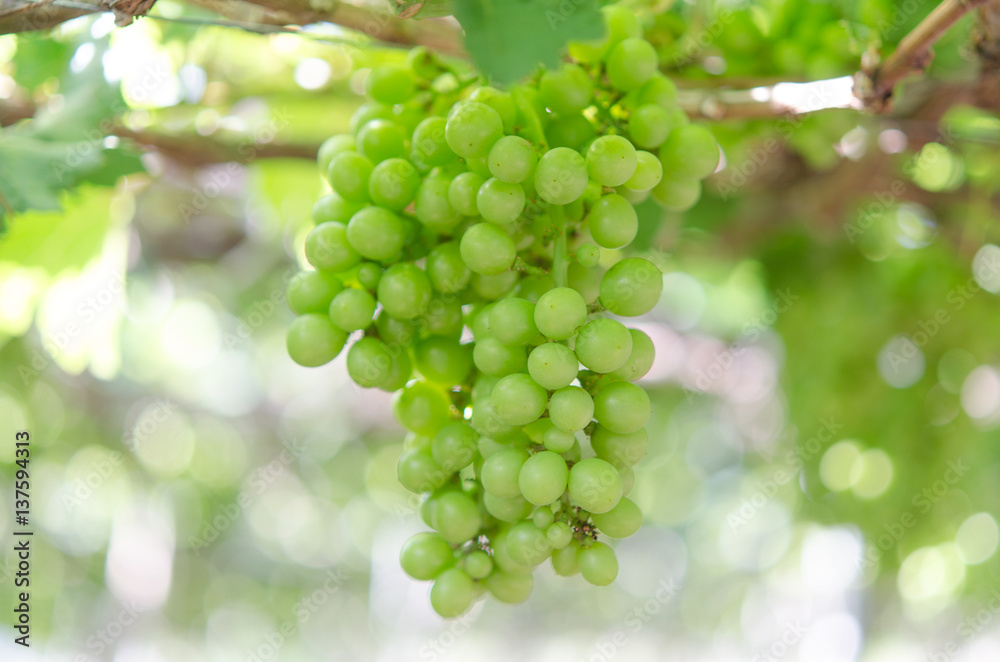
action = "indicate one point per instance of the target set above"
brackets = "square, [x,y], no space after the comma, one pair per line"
[622,407]
[423,63]
[502,559]
[598,564]
[349,173]
[518,399]
[690,152]
[472,129]
[560,312]
[480,166]
[536,430]
[533,287]
[404,291]
[648,172]
[332,207]
[658,90]
[432,207]
[595,485]
[620,450]
[377,234]
[452,593]
[621,23]
[500,473]
[425,555]
[442,360]
[328,249]
[456,517]
[443,317]
[422,408]
[500,202]
[613,221]
[566,90]
[512,159]
[478,564]
[390,84]
[393,183]
[611,160]
[462,193]
[369,362]
[559,534]
[352,309]
[400,372]
[561,176]
[571,408]
[379,140]
[418,472]
[429,145]
[571,131]
[628,480]
[640,359]
[558,441]
[446,270]
[621,521]
[312,292]
[564,560]
[487,421]
[677,194]
[585,281]
[331,147]
[502,102]
[487,250]
[312,340]
[527,545]
[542,478]
[649,126]
[366,112]
[512,321]
[369,274]
[588,255]
[494,358]
[603,345]
[631,63]
[511,589]
[395,331]
[631,287]
[542,517]
[513,509]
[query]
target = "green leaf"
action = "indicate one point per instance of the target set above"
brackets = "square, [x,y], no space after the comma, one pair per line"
[33,172]
[510,38]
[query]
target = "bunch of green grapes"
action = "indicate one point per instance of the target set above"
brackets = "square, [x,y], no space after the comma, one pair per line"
[462,244]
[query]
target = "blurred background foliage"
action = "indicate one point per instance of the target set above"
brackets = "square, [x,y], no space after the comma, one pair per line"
[823,475]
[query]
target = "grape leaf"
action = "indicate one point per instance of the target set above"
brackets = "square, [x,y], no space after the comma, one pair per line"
[510,38]
[33,172]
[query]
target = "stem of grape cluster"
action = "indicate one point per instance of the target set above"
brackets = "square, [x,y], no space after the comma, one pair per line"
[560,256]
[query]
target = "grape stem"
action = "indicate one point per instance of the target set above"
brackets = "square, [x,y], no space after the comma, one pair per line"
[560,255]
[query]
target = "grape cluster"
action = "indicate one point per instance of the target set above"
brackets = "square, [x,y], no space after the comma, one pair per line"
[471,239]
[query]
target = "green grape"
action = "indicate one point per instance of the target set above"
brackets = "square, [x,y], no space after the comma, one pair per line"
[369,362]
[487,422]
[573,131]
[394,331]
[478,564]
[640,359]
[512,321]
[379,140]
[442,360]
[512,159]
[648,172]
[690,152]
[566,90]
[631,63]
[369,274]
[429,145]
[542,517]
[499,202]
[377,234]
[597,563]
[418,472]
[677,194]
[571,408]
[472,129]
[312,292]
[527,545]
[367,112]
[501,559]
[462,193]
[558,441]
[611,160]
[456,517]
[424,63]
[513,509]
[487,250]
[352,309]
[658,90]
[404,291]
[622,407]
[536,430]
[631,287]
[494,358]
[588,255]
[479,166]
[400,372]
[613,222]
[595,485]
[621,521]
[393,183]
[422,408]
[446,270]
[559,535]
[585,281]
[621,450]
[518,399]
[331,147]
[425,555]
[452,593]
[628,480]
[390,84]
[443,318]
[561,176]
[432,207]
[542,479]
[328,249]
[332,207]
[312,340]
[621,23]
[564,560]
[349,173]
[509,588]
[560,312]
[500,472]
[502,102]
[603,345]
[649,126]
